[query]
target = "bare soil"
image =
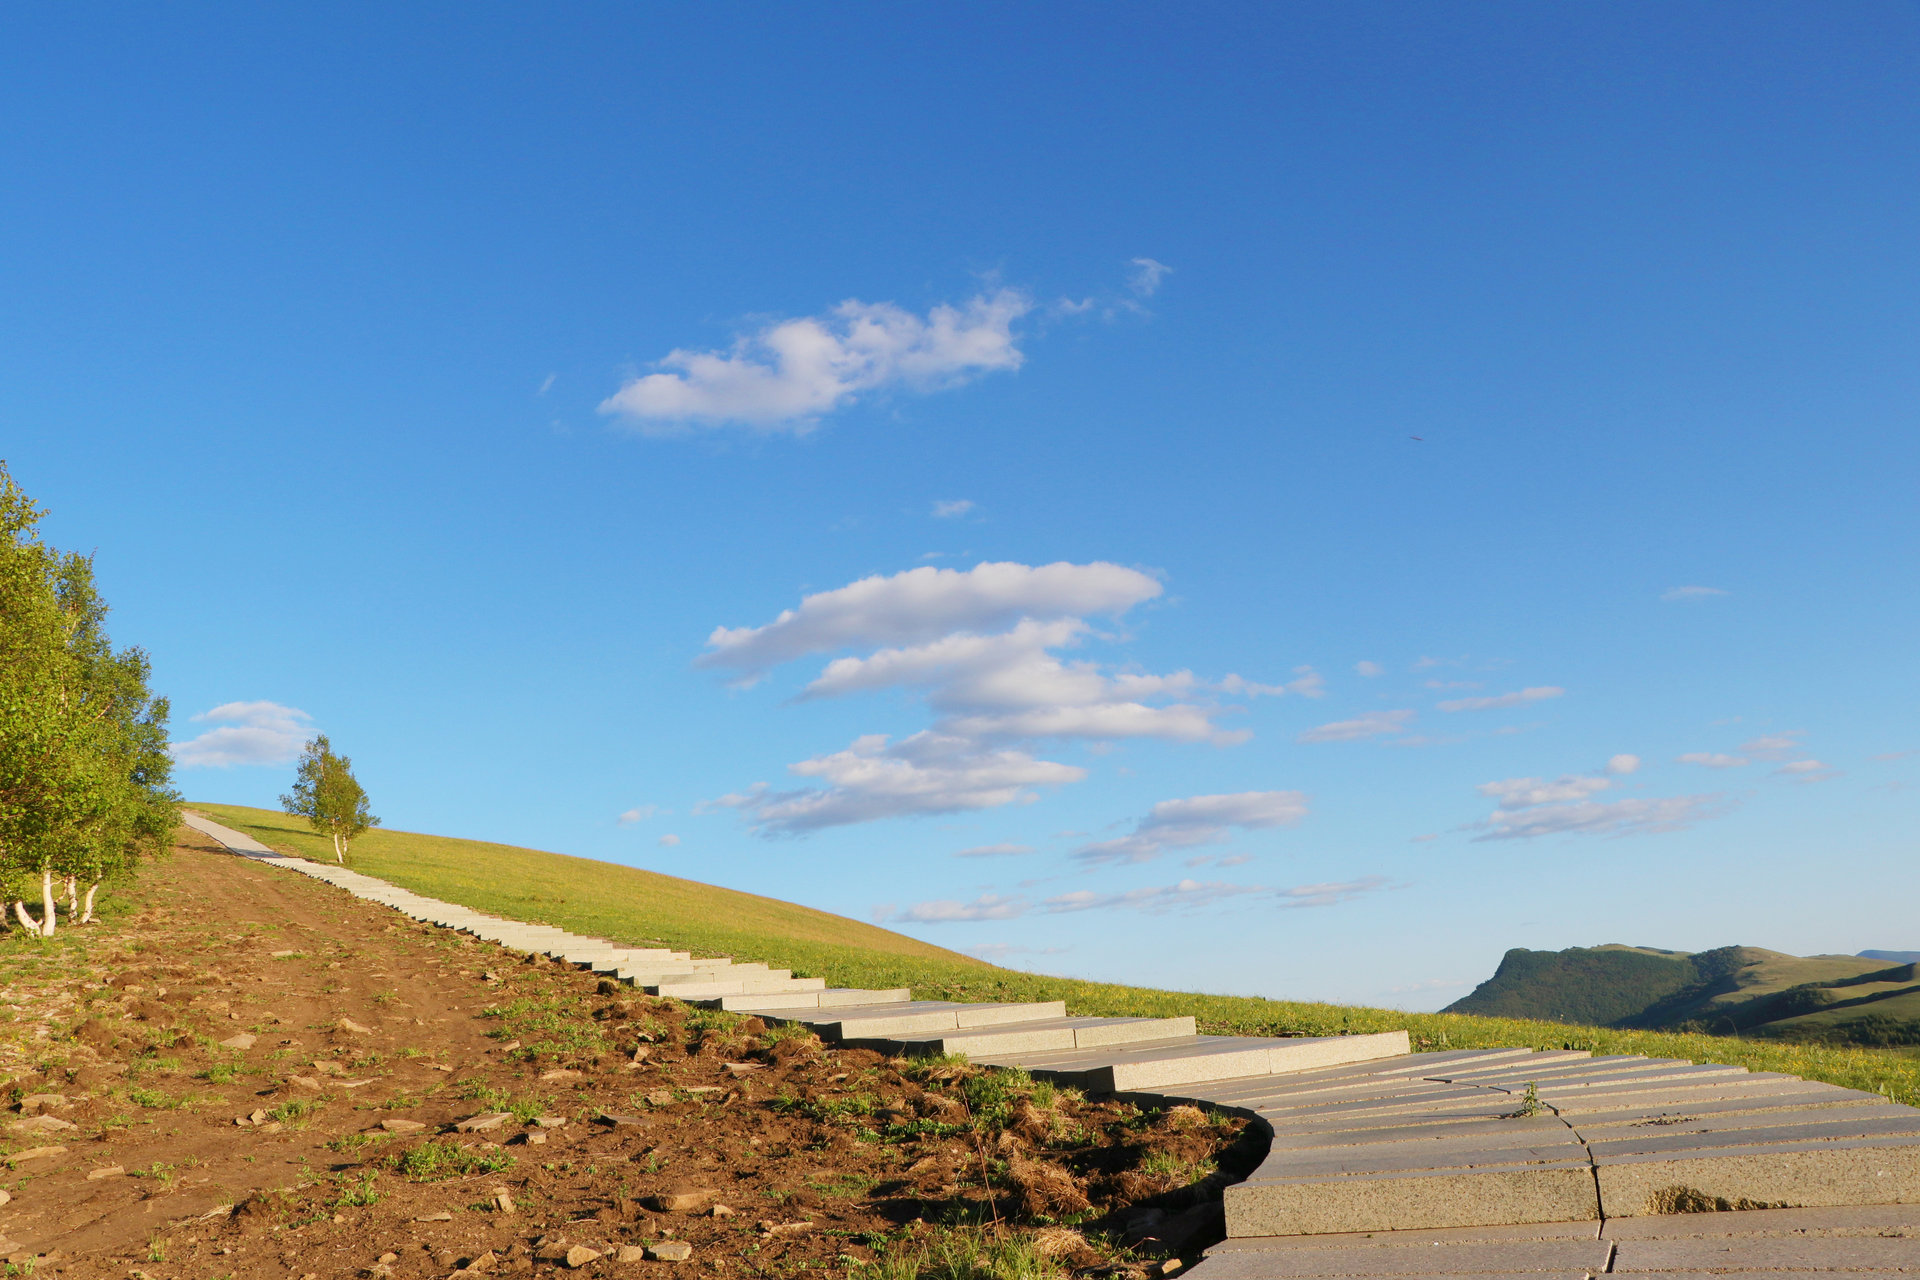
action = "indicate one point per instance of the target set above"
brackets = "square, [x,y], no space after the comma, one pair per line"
[254,1074]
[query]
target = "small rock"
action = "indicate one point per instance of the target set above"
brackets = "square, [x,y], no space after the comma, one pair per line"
[580,1256]
[308,1083]
[484,1121]
[442,1216]
[702,1088]
[534,1139]
[105,1171]
[6,1197]
[1170,1266]
[739,1069]
[502,1200]
[348,1024]
[509,1046]
[550,1122]
[36,1102]
[771,1228]
[562,1073]
[257,1116]
[669,1251]
[681,1200]
[42,1124]
[245,1040]
[37,1153]
[721,1211]
[640,1053]
[631,1253]
[394,1124]
[282,955]
[490,976]
[660,1098]
[387,1259]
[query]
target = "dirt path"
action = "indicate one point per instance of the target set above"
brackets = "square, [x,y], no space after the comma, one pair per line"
[350,1043]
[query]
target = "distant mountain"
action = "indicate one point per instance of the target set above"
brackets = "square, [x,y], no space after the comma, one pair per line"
[1729,990]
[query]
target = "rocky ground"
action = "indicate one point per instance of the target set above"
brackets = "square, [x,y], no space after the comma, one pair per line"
[252,1074]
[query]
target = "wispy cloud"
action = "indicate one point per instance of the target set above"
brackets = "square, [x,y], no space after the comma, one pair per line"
[1375,724]
[1713,760]
[1530,807]
[1197,820]
[788,374]
[1806,771]
[1499,701]
[1144,276]
[1368,669]
[249,733]
[949,510]
[1329,895]
[638,814]
[669,840]
[1774,746]
[1677,595]
[995,851]
[988,906]
[1191,895]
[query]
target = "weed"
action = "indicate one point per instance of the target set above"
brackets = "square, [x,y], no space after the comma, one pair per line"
[153,1099]
[221,1073]
[295,1112]
[438,1159]
[357,1192]
[1530,1105]
[962,1254]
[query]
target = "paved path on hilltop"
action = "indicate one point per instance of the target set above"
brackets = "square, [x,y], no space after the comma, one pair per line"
[1383,1163]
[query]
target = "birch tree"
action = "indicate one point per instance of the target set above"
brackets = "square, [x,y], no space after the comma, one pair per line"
[328,796]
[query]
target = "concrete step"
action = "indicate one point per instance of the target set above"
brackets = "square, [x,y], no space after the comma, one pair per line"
[1198,1060]
[1038,1035]
[783,1003]
[912,1016]
[769,985]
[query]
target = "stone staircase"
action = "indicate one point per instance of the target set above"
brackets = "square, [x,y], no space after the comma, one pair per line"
[1500,1164]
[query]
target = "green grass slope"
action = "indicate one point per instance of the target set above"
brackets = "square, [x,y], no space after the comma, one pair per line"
[639,907]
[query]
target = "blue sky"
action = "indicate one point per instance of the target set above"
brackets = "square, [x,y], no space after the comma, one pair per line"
[1305,498]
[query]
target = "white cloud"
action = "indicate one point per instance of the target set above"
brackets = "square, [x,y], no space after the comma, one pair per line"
[921,604]
[637,814]
[956,507]
[1369,669]
[1623,764]
[1146,276]
[923,774]
[546,384]
[250,733]
[1191,895]
[1518,698]
[1806,771]
[1197,820]
[791,372]
[1329,895]
[995,851]
[988,906]
[1374,724]
[1530,807]
[1775,746]
[1186,895]
[1674,594]
[669,840]
[1713,760]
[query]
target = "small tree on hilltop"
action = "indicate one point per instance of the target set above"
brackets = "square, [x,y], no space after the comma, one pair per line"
[326,794]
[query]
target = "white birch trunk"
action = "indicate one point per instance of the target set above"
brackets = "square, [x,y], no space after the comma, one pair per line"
[46,903]
[27,922]
[73,897]
[339,851]
[86,916]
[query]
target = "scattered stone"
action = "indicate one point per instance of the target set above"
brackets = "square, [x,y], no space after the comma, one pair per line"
[502,1199]
[534,1139]
[348,1024]
[42,1124]
[580,1256]
[442,1216]
[490,976]
[721,1211]
[739,1069]
[105,1171]
[282,955]
[631,1253]
[245,1040]
[394,1124]
[697,1089]
[640,1053]
[354,1084]
[772,1228]
[681,1200]
[1170,1266]
[550,1122]
[6,1197]
[308,1083]
[661,1098]
[616,1119]
[669,1251]
[37,1153]
[388,1259]
[34,1103]
[509,1046]
[484,1121]
[562,1073]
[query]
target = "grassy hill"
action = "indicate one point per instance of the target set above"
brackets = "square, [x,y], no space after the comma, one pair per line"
[1735,990]
[644,908]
